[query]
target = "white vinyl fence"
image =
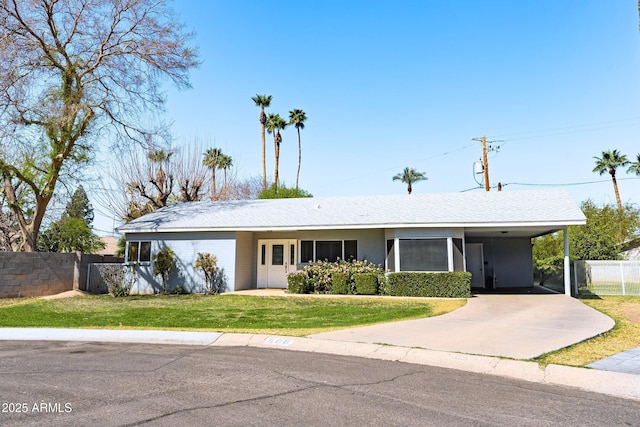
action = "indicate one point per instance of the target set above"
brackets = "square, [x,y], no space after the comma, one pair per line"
[607,277]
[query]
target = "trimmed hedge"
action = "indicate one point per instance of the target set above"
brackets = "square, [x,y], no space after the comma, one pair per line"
[443,285]
[297,283]
[366,283]
[339,283]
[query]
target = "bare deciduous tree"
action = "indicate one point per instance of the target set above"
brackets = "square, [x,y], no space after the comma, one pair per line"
[144,180]
[71,70]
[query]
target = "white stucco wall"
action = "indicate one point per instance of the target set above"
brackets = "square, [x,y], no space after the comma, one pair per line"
[246,256]
[186,247]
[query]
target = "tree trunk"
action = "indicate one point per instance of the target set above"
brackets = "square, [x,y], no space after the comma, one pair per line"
[299,159]
[409,188]
[275,174]
[615,189]
[264,161]
[213,187]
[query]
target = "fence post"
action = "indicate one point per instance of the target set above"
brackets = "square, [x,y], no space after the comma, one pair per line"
[88,281]
[622,278]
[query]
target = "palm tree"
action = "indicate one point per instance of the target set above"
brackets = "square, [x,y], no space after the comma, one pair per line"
[297,118]
[263,102]
[409,176]
[275,124]
[211,160]
[225,163]
[609,162]
[634,167]
[159,156]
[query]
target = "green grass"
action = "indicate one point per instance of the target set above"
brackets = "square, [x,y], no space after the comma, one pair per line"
[297,316]
[625,335]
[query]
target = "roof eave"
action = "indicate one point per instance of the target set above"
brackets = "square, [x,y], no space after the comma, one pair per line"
[357,226]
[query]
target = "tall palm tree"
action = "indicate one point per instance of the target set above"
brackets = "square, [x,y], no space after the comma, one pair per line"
[160,156]
[225,163]
[634,167]
[211,160]
[275,124]
[609,162]
[409,176]
[297,118]
[263,102]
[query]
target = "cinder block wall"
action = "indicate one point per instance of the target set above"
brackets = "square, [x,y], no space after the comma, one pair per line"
[31,274]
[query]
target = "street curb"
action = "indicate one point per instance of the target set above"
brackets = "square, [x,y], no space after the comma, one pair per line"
[109,335]
[611,383]
[606,382]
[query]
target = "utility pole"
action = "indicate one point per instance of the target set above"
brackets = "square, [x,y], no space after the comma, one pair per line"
[485,162]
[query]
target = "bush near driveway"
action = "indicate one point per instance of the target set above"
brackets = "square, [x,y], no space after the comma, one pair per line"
[443,285]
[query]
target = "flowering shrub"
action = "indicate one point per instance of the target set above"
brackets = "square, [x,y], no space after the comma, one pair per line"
[297,283]
[119,278]
[319,273]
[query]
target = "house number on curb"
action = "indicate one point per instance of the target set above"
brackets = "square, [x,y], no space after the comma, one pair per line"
[278,341]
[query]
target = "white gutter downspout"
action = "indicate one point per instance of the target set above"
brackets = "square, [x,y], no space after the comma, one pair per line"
[567,268]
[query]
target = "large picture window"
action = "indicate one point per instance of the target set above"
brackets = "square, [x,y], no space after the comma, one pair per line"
[138,251]
[423,255]
[330,250]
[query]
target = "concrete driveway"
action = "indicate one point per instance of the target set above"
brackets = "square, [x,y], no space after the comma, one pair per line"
[514,326]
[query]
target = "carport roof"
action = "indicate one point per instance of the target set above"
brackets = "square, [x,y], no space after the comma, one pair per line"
[525,212]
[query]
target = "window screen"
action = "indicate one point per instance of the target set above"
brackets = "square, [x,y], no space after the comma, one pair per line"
[391,260]
[306,250]
[424,255]
[134,249]
[328,250]
[350,249]
[145,251]
[458,255]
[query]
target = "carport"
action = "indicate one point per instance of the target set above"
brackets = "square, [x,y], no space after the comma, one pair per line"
[501,257]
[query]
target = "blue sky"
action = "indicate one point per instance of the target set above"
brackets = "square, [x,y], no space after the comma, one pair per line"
[386,85]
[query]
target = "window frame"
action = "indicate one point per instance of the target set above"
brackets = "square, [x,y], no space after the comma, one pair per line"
[303,244]
[442,243]
[393,260]
[139,252]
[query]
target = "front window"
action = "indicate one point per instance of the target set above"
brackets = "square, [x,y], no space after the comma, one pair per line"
[423,255]
[329,250]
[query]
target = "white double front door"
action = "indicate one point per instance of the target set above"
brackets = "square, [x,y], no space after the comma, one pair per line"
[276,259]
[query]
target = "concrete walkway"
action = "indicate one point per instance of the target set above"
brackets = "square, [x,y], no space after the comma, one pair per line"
[514,326]
[626,362]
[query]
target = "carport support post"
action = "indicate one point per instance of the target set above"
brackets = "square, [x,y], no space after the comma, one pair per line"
[567,268]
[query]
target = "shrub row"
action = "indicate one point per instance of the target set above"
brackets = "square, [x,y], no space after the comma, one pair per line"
[336,278]
[443,285]
[360,277]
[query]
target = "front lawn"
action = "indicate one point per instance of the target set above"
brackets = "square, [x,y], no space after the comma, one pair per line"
[624,336]
[296,316]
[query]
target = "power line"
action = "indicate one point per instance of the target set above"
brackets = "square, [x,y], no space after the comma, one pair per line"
[587,127]
[567,184]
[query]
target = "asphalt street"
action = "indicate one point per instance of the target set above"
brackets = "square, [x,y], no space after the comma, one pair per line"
[80,383]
